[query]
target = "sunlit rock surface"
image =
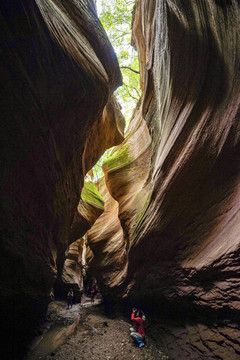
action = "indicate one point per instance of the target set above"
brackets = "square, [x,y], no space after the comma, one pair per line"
[58,71]
[90,207]
[168,238]
[72,272]
[107,243]
[189,234]
[176,177]
[126,174]
[124,190]
[191,100]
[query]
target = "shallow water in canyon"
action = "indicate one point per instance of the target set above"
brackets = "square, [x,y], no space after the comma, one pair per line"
[85,332]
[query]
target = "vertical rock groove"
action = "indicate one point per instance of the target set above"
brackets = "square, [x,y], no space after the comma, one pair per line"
[162,228]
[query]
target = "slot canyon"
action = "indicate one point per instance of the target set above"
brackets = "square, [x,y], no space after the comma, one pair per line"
[161,228]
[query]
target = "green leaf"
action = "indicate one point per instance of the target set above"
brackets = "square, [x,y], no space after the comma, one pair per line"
[116,17]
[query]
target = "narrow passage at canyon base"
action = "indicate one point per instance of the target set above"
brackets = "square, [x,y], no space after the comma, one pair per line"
[141,204]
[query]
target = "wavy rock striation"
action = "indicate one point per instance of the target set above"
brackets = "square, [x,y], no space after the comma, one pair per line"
[72,273]
[58,71]
[107,243]
[192,217]
[168,238]
[90,207]
[176,180]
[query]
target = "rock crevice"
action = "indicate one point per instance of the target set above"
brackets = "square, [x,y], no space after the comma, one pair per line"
[162,228]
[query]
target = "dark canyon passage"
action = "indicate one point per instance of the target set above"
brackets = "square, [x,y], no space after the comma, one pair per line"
[162,228]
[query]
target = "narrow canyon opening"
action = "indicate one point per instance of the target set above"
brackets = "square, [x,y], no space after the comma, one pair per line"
[120,169]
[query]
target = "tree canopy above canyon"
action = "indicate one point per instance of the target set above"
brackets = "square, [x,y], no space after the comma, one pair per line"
[161,229]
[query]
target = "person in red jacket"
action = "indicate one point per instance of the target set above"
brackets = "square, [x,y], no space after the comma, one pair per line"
[137,333]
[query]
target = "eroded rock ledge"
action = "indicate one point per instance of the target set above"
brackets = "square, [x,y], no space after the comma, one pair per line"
[168,238]
[176,180]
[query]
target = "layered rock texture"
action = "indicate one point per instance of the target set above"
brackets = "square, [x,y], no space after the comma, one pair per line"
[58,72]
[176,180]
[190,53]
[163,227]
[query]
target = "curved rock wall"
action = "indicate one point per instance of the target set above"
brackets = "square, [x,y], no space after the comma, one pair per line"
[90,207]
[72,276]
[168,238]
[107,243]
[179,202]
[58,71]
[192,217]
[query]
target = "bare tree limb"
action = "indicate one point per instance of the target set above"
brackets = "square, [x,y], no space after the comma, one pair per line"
[129,93]
[127,67]
[123,34]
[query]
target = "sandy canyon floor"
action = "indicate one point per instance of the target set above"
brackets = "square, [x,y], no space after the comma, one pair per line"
[85,332]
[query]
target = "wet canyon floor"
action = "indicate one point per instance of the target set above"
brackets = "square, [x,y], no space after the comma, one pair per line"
[85,332]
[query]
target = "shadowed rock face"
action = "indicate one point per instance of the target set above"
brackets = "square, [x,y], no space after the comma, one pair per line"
[90,207]
[194,186]
[192,97]
[58,71]
[176,180]
[168,238]
[189,234]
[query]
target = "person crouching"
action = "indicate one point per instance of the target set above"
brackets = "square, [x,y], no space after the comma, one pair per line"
[137,332]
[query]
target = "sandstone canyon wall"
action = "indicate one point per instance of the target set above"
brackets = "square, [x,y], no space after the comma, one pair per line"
[168,238]
[190,104]
[176,179]
[58,71]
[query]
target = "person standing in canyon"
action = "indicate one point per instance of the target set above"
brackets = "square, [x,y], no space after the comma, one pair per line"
[92,294]
[70,298]
[137,333]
